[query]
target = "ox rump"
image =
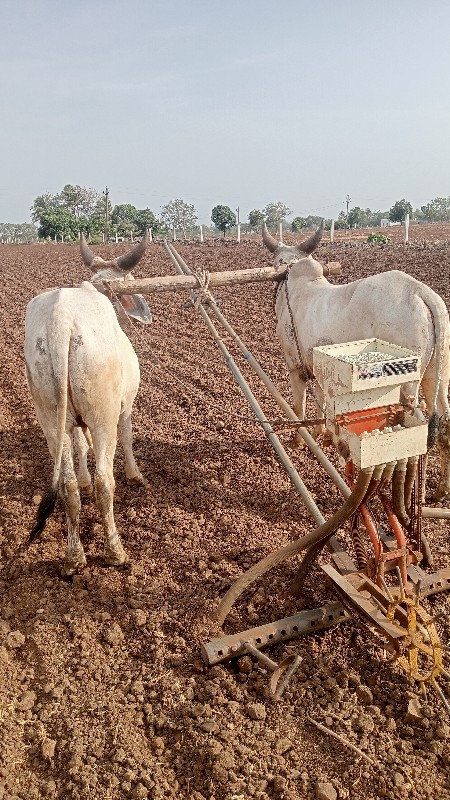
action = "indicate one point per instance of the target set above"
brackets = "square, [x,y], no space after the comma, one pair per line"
[83,376]
[361,383]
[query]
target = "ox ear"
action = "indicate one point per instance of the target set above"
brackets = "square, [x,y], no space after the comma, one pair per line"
[308,247]
[136,307]
[129,260]
[86,253]
[268,240]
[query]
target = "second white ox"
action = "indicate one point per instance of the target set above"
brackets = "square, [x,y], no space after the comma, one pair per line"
[83,376]
[391,306]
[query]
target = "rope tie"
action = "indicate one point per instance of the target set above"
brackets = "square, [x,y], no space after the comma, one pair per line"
[203,277]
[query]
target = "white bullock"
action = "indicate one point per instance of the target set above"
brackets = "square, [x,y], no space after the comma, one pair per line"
[83,376]
[391,306]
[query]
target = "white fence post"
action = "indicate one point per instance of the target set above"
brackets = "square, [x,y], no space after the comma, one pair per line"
[201,232]
[239,232]
[117,237]
[280,231]
[332,231]
[150,236]
[406,228]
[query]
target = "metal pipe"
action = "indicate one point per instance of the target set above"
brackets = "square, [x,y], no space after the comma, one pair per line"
[257,410]
[411,470]
[398,491]
[314,550]
[429,512]
[315,449]
[322,532]
[387,474]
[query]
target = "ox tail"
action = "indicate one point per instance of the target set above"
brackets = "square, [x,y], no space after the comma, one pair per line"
[61,371]
[441,349]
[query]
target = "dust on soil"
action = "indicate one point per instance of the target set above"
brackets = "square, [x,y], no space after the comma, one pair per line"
[103,693]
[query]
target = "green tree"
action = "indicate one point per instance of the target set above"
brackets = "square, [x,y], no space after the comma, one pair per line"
[18,232]
[75,208]
[146,220]
[341,222]
[223,218]
[255,219]
[179,215]
[275,213]
[356,217]
[313,222]
[58,222]
[373,218]
[42,204]
[81,201]
[298,224]
[123,219]
[399,210]
[437,210]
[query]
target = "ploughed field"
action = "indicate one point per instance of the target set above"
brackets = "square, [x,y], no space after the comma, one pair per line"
[103,693]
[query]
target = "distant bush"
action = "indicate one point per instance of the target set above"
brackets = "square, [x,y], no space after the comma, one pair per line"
[378,238]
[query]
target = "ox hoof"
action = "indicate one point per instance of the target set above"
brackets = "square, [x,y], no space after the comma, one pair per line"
[115,558]
[137,480]
[71,566]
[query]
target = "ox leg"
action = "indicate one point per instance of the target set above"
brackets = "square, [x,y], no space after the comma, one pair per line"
[75,558]
[298,387]
[132,471]
[113,552]
[81,445]
[443,436]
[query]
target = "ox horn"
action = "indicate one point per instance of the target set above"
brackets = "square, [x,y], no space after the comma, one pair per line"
[268,240]
[86,253]
[310,244]
[129,260]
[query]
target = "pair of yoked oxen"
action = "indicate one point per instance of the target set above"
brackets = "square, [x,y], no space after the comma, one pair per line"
[83,373]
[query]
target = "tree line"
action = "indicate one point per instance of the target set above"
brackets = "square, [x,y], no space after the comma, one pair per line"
[76,208]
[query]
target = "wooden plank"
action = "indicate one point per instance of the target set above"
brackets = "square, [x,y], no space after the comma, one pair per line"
[176,283]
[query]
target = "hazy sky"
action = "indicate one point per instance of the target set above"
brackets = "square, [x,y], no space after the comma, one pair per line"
[238,103]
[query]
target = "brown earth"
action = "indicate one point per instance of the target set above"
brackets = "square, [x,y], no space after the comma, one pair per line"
[103,693]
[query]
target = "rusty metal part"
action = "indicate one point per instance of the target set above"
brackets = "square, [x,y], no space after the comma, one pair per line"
[281,673]
[360,420]
[398,533]
[357,593]
[394,614]
[359,543]
[282,630]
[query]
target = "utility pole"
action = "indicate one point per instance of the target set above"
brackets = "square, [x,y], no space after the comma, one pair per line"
[106,196]
[237,212]
[348,201]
